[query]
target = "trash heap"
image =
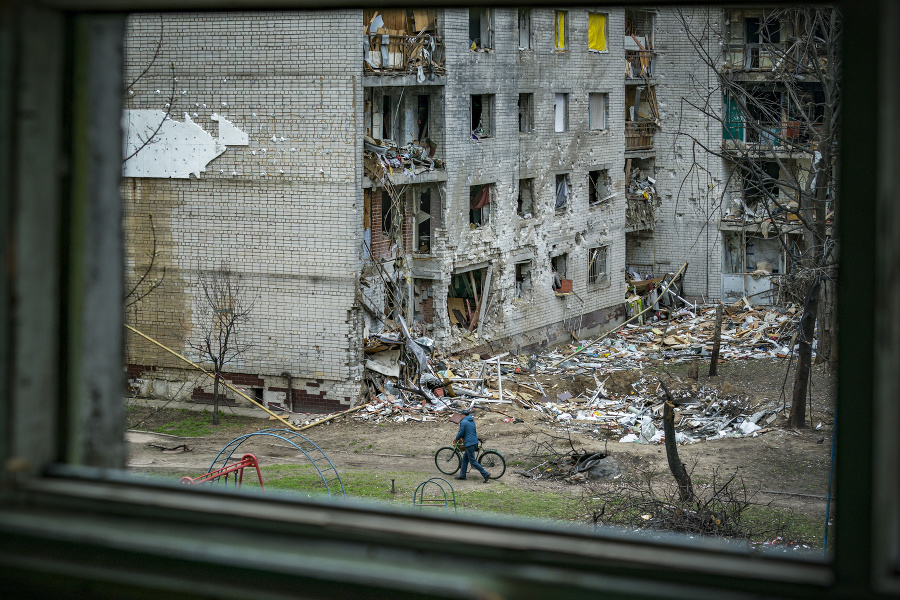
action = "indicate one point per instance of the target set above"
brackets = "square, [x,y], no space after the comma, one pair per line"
[385,159]
[409,379]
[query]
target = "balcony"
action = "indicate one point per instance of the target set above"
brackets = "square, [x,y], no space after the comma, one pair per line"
[640,63]
[753,57]
[393,52]
[638,213]
[639,135]
[781,137]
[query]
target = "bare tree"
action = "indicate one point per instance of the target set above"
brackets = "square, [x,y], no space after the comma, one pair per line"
[150,138]
[149,276]
[222,308]
[778,82]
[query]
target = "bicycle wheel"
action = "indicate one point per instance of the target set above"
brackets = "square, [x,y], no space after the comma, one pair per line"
[447,460]
[493,463]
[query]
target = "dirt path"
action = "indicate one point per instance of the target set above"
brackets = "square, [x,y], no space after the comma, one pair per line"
[779,461]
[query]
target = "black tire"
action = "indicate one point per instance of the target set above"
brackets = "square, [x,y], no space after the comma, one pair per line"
[493,463]
[447,460]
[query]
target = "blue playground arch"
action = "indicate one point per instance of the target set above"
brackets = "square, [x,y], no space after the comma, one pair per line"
[317,458]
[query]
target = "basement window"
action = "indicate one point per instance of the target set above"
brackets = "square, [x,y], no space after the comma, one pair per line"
[597,268]
[482,116]
[480,205]
[560,37]
[598,111]
[524,203]
[480,32]
[524,29]
[561,112]
[526,113]
[599,187]
[562,191]
[523,280]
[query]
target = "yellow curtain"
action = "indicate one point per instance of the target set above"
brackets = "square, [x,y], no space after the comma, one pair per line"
[560,30]
[597,32]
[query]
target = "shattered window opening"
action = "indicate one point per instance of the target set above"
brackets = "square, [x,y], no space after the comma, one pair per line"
[597,268]
[480,205]
[424,223]
[559,266]
[598,111]
[464,297]
[387,216]
[482,109]
[422,116]
[523,280]
[561,112]
[562,192]
[526,113]
[560,30]
[524,203]
[599,186]
[597,32]
[524,29]
[480,32]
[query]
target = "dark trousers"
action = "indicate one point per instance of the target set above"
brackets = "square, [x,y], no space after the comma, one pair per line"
[469,457]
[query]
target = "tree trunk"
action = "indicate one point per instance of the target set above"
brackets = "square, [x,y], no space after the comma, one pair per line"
[685,489]
[804,356]
[826,349]
[717,341]
[216,397]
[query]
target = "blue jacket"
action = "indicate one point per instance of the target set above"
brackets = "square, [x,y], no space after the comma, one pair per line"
[467,431]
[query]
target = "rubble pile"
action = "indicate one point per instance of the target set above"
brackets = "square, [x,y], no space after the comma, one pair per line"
[409,379]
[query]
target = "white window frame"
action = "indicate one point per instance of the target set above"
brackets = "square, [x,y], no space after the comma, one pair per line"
[604,98]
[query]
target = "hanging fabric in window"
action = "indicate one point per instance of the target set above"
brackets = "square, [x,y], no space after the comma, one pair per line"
[597,32]
[560,30]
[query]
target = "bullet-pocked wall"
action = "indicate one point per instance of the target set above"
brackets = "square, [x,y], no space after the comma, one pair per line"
[519,115]
[244,155]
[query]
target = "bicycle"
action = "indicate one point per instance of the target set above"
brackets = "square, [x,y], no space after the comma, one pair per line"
[449,458]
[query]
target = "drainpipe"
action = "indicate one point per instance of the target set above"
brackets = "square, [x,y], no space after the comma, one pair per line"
[289,399]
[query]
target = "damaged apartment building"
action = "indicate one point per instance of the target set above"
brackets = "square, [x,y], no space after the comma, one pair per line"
[485,174]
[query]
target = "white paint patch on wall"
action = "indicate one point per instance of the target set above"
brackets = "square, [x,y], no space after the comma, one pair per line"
[157,146]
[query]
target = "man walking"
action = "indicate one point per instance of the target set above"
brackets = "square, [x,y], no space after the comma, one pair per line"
[469,439]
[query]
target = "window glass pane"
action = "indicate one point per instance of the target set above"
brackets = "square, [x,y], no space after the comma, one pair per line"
[255,178]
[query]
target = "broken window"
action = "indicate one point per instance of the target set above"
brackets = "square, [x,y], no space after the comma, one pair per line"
[561,30]
[480,33]
[597,32]
[561,112]
[465,296]
[423,222]
[599,186]
[562,192]
[523,280]
[559,267]
[387,108]
[422,114]
[524,29]
[482,116]
[597,110]
[526,113]
[524,203]
[387,216]
[597,264]
[480,205]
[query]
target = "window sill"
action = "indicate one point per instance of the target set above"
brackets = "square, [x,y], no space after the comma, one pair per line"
[62,528]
